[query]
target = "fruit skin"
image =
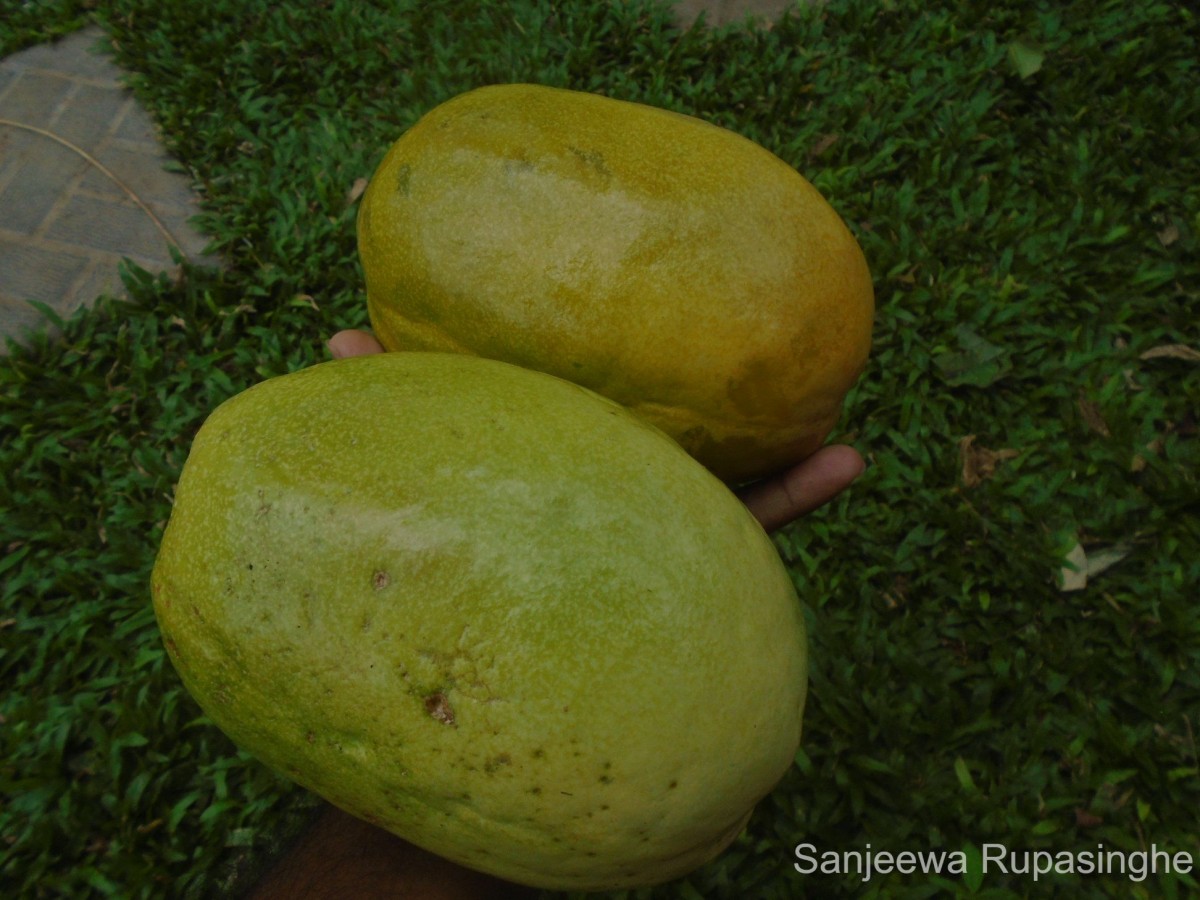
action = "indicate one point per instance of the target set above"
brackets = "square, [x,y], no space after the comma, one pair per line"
[487,610]
[669,264]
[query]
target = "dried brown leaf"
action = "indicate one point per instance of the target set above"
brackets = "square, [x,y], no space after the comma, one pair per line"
[1131,383]
[1092,416]
[1172,351]
[823,143]
[356,191]
[979,463]
[1169,235]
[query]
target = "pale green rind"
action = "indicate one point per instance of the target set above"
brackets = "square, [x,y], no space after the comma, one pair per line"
[487,610]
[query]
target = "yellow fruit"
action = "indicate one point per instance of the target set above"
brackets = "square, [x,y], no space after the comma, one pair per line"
[669,264]
[487,610]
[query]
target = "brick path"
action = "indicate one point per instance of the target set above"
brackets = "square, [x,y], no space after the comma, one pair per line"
[77,146]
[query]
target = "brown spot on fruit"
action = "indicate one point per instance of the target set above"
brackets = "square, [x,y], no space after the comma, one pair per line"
[497,762]
[381,579]
[438,706]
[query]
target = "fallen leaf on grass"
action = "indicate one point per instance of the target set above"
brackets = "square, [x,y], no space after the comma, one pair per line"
[1172,351]
[1073,576]
[1025,57]
[1080,565]
[1092,416]
[1169,235]
[356,191]
[979,364]
[1105,558]
[979,463]
[824,143]
[1131,383]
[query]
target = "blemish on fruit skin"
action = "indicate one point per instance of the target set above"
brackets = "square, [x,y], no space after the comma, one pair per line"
[497,762]
[438,707]
[517,167]
[381,579]
[403,176]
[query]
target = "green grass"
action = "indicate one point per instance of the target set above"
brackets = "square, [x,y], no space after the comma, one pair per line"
[1024,181]
[28,22]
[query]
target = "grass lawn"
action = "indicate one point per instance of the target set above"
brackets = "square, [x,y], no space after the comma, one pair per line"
[1024,178]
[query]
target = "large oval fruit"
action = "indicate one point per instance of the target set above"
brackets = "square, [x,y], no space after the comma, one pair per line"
[487,610]
[669,264]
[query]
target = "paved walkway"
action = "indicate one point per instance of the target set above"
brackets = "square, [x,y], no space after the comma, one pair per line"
[75,151]
[84,181]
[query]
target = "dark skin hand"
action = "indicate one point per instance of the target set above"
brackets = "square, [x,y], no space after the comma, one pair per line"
[344,857]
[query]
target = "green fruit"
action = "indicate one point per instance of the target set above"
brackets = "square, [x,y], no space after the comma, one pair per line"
[668,264]
[487,610]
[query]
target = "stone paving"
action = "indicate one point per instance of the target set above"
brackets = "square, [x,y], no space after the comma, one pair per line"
[84,181]
[75,149]
[724,12]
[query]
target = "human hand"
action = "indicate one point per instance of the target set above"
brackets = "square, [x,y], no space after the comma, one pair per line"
[774,501]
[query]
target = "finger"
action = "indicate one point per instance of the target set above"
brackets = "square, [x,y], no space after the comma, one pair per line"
[786,497]
[352,342]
